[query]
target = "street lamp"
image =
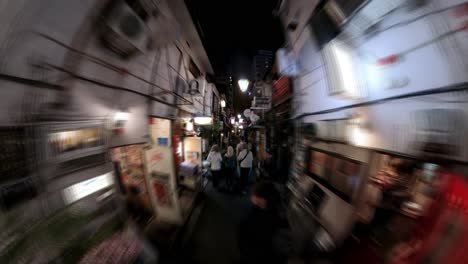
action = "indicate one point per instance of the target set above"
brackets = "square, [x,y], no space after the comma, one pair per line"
[223,103]
[243,85]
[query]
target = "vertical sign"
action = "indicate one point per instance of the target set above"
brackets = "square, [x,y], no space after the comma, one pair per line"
[161,180]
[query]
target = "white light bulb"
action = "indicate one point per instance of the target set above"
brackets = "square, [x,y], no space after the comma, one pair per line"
[243,84]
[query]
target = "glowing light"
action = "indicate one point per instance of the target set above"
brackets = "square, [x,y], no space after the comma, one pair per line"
[121,116]
[179,148]
[358,136]
[243,84]
[203,120]
[233,121]
[82,189]
[239,116]
[223,103]
[189,126]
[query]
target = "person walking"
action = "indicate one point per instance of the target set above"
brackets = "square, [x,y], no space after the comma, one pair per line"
[245,159]
[239,145]
[258,231]
[230,168]
[215,159]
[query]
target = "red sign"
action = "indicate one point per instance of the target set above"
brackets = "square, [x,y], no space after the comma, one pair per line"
[281,89]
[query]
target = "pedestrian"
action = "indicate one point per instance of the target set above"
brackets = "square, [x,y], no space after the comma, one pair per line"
[230,168]
[215,159]
[258,231]
[239,145]
[245,159]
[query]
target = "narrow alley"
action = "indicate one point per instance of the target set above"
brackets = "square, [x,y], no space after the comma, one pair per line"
[234,131]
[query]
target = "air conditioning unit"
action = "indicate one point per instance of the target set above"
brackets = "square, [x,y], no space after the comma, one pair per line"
[287,63]
[355,17]
[371,14]
[196,87]
[124,31]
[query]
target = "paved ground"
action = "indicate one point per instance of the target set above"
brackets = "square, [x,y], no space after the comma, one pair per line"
[214,237]
[210,236]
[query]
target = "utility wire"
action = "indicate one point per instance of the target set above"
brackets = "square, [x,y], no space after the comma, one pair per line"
[97,82]
[108,65]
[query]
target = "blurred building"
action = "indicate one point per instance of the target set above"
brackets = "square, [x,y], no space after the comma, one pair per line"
[83,86]
[361,93]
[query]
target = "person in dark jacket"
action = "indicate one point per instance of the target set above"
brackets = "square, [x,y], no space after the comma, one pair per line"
[257,232]
[230,163]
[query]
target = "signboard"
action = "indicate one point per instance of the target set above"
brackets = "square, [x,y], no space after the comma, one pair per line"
[130,160]
[193,147]
[160,176]
[261,102]
[160,131]
[82,189]
[281,89]
[192,153]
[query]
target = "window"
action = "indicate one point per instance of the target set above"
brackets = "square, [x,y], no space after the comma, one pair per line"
[194,70]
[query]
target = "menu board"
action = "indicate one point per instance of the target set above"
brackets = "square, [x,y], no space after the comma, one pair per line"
[130,159]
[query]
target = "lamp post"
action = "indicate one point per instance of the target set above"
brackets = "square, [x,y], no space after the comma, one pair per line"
[243,85]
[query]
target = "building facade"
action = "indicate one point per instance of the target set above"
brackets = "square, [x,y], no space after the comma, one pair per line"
[379,80]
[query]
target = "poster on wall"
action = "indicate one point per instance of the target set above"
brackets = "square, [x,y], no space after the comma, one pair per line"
[193,150]
[160,175]
[130,159]
[160,131]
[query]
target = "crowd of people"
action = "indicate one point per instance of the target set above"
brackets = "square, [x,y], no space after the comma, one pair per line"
[232,168]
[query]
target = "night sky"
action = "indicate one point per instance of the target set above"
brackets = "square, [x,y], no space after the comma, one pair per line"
[233,31]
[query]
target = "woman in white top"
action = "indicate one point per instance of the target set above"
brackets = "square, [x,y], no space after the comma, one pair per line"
[245,159]
[215,160]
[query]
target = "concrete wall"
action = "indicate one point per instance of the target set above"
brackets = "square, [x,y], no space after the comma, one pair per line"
[390,124]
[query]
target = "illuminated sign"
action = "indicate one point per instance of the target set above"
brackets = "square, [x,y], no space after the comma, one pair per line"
[82,189]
